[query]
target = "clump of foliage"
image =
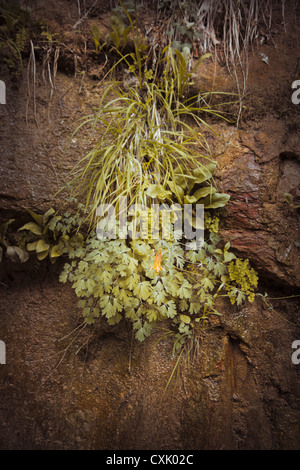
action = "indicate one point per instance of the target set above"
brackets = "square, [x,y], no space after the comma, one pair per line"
[204,25]
[147,281]
[120,34]
[243,279]
[289,198]
[50,235]
[12,251]
[150,150]
[17,26]
[149,134]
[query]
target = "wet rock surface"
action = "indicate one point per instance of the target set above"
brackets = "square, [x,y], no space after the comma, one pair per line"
[65,386]
[259,223]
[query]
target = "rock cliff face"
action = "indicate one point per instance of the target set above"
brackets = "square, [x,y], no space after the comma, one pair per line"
[65,386]
[259,223]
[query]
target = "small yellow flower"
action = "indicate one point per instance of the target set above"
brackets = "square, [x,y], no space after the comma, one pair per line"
[149,74]
[157,262]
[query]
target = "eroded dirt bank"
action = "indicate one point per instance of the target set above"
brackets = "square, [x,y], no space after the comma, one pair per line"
[101,390]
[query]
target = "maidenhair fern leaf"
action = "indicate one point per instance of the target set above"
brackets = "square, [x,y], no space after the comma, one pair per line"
[131,281]
[63,276]
[109,310]
[79,287]
[184,292]
[159,296]
[104,300]
[89,285]
[131,263]
[192,256]
[171,312]
[207,283]
[152,315]
[195,307]
[131,313]
[219,269]
[118,305]
[143,331]
[143,290]
[124,296]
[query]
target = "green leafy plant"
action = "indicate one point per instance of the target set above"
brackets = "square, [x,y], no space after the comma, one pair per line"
[96,38]
[145,281]
[16,27]
[120,35]
[120,32]
[150,149]
[137,58]
[13,252]
[145,139]
[49,236]
[227,27]
[243,279]
[148,281]
[289,198]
